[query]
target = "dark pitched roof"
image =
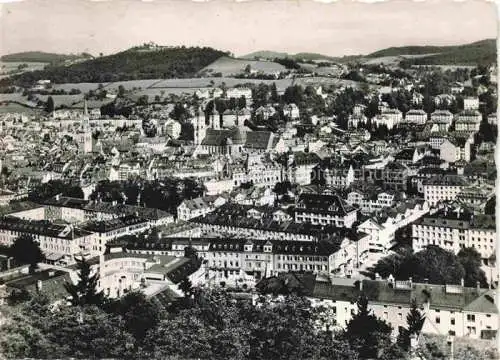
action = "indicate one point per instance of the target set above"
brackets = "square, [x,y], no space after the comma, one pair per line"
[323,202]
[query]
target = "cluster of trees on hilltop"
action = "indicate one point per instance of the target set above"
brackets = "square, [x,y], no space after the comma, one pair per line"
[177,62]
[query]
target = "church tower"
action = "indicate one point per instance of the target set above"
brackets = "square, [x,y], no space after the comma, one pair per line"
[199,125]
[87,132]
[214,117]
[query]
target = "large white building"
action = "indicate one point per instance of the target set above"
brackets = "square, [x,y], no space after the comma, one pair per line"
[443,188]
[454,229]
[471,103]
[468,120]
[59,243]
[449,309]
[416,116]
[454,149]
[324,209]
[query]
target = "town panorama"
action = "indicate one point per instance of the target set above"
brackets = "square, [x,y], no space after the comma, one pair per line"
[183,203]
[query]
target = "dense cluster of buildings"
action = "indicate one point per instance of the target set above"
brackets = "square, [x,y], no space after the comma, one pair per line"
[303,197]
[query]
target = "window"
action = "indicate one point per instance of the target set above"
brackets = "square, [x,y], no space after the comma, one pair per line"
[471,317]
[452,321]
[438,320]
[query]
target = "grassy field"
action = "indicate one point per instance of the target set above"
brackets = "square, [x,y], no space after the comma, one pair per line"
[83,87]
[6,67]
[16,108]
[66,100]
[391,60]
[229,66]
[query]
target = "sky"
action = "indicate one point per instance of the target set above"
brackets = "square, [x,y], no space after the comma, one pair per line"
[342,28]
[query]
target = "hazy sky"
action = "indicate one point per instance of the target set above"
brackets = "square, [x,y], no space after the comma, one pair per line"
[343,28]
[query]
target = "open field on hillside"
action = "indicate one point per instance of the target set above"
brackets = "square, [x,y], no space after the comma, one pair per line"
[391,60]
[7,67]
[228,66]
[66,100]
[83,87]
[16,108]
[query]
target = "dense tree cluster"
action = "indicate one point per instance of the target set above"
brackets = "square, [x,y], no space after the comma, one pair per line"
[288,63]
[209,324]
[52,188]
[164,195]
[435,265]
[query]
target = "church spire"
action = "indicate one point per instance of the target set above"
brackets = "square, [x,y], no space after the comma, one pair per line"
[85,108]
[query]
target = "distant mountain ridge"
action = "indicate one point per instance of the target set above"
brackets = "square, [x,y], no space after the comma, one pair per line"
[266,54]
[425,49]
[43,57]
[479,52]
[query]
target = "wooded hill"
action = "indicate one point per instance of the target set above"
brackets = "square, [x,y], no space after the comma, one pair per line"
[133,64]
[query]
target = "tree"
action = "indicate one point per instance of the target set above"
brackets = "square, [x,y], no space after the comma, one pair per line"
[242,102]
[85,292]
[139,314]
[49,106]
[274,93]
[121,91]
[26,250]
[415,320]
[142,100]
[366,333]
[433,264]
[186,286]
[472,262]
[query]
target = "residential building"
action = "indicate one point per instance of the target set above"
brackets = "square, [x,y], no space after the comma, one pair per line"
[455,228]
[416,116]
[471,103]
[192,208]
[443,188]
[448,309]
[468,120]
[324,209]
[454,149]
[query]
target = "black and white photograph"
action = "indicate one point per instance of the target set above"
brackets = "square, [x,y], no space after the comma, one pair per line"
[248,180]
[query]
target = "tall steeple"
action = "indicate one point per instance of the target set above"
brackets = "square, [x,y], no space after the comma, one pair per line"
[85,117]
[214,117]
[85,108]
[87,133]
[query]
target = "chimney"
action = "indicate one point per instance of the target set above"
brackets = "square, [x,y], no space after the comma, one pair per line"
[39,285]
[377,276]
[462,282]
[360,285]
[478,285]
[410,280]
